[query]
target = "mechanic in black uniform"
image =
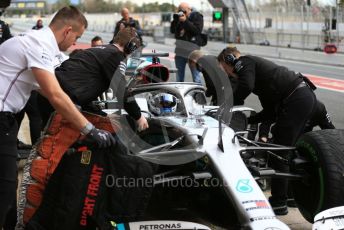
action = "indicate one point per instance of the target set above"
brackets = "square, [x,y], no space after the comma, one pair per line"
[201,61]
[281,92]
[5,32]
[195,60]
[88,73]
[319,118]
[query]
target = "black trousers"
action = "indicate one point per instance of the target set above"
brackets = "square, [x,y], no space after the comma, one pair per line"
[35,120]
[45,110]
[320,118]
[292,116]
[8,166]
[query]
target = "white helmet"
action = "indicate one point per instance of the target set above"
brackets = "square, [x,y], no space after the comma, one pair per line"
[162,104]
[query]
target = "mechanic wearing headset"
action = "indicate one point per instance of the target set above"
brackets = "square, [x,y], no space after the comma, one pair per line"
[88,73]
[26,63]
[281,92]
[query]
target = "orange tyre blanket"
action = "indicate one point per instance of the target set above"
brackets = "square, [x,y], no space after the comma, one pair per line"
[58,136]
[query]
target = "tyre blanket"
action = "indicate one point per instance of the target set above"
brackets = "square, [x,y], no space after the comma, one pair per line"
[77,196]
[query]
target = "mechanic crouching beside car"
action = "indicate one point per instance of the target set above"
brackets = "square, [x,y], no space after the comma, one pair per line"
[283,93]
[198,59]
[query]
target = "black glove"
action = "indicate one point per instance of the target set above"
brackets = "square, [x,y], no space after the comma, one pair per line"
[103,138]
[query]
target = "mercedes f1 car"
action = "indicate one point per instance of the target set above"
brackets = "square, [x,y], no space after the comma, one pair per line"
[209,144]
[209,164]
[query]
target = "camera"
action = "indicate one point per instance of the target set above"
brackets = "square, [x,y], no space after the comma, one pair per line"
[179,14]
[128,24]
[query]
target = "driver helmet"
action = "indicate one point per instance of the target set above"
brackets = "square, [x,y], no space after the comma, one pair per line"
[162,104]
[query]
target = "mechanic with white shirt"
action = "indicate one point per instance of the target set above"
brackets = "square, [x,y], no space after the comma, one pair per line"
[26,64]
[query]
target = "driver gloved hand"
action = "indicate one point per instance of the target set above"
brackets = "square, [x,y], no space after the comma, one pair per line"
[103,138]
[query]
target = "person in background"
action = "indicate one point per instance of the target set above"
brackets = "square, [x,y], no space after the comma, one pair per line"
[286,97]
[96,41]
[187,27]
[26,64]
[127,21]
[39,25]
[5,32]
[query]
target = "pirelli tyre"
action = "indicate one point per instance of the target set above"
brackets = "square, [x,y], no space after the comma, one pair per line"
[323,185]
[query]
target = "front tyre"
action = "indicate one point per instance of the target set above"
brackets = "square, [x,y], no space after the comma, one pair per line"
[323,186]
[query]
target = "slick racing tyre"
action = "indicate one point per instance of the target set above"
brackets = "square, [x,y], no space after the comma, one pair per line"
[323,185]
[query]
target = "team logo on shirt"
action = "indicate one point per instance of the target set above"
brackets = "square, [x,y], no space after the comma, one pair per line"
[238,66]
[45,56]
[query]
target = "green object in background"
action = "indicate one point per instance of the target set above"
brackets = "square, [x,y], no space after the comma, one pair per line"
[217,16]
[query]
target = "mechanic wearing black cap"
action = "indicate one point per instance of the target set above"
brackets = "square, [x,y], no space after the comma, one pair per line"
[26,64]
[88,73]
[282,92]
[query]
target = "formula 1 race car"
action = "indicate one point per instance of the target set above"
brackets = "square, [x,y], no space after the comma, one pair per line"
[206,162]
[184,130]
